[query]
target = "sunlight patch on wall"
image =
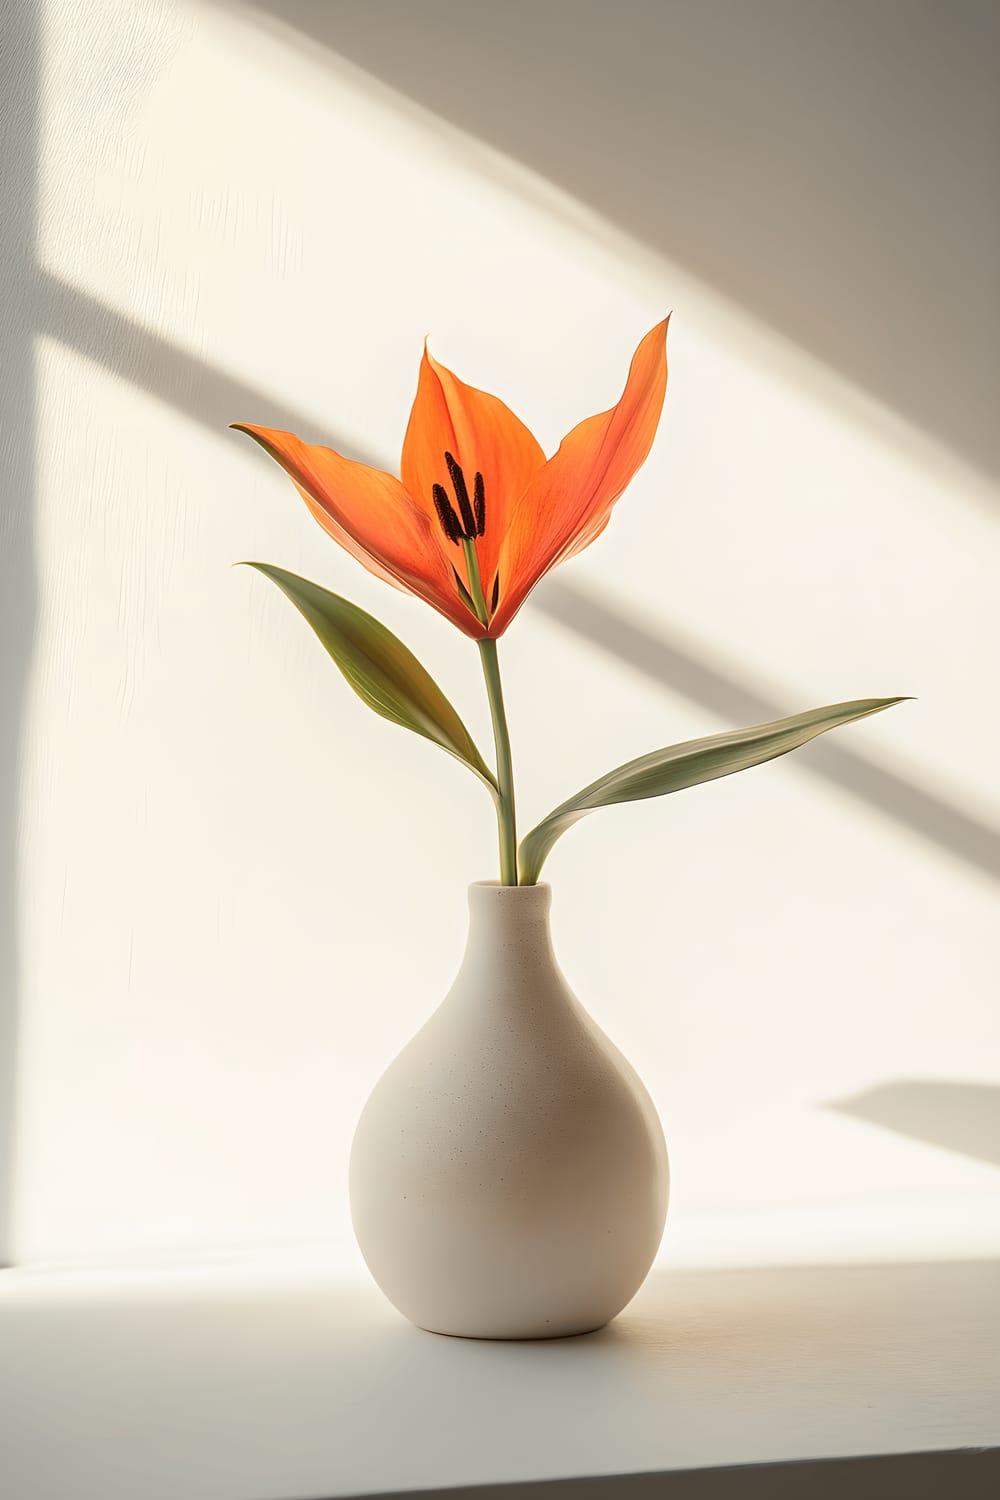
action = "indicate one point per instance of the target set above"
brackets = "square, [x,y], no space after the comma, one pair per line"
[242,893]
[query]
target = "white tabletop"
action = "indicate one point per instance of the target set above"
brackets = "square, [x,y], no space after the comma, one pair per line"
[268,1378]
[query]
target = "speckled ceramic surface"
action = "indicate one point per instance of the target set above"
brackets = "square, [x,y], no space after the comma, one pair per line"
[509,1176]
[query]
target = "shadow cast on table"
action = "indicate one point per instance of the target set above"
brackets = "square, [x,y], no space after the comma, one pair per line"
[282,1351]
[800,1321]
[794,1319]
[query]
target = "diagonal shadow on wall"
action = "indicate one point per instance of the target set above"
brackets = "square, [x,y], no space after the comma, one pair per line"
[794,224]
[213,398]
[962,1117]
[831,168]
[666,662]
[18,174]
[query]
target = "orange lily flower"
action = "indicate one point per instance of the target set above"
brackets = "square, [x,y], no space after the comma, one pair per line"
[474,479]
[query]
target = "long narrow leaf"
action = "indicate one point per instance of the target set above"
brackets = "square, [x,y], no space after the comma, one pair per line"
[679,766]
[379,668]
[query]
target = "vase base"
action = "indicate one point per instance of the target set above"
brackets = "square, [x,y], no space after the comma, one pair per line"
[532,1337]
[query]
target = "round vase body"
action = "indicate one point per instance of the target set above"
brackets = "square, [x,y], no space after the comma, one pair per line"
[509,1176]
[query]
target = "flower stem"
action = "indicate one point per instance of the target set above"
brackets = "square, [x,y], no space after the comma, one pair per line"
[506,816]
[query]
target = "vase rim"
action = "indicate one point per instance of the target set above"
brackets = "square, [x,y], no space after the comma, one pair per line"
[498,885]
[490,900]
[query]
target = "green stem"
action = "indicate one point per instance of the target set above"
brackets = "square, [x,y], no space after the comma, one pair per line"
[506,816]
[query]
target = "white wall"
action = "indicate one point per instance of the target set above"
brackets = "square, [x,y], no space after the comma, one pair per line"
[239,892]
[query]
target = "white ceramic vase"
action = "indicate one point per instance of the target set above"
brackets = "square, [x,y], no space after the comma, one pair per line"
[509,1177]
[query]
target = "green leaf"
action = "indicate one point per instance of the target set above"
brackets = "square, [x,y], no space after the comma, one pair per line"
[379,668]
[679,766]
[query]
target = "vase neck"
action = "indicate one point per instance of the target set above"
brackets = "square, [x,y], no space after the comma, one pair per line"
[509,930]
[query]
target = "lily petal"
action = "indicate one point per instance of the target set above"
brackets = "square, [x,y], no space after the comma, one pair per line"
[569,501]
[483,435]
[372,517]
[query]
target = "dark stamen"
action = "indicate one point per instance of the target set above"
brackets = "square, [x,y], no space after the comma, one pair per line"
[450,524]
[496,595]
[461,495]
[479,503]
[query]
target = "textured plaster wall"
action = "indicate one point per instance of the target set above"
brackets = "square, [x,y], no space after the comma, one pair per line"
[236,893]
